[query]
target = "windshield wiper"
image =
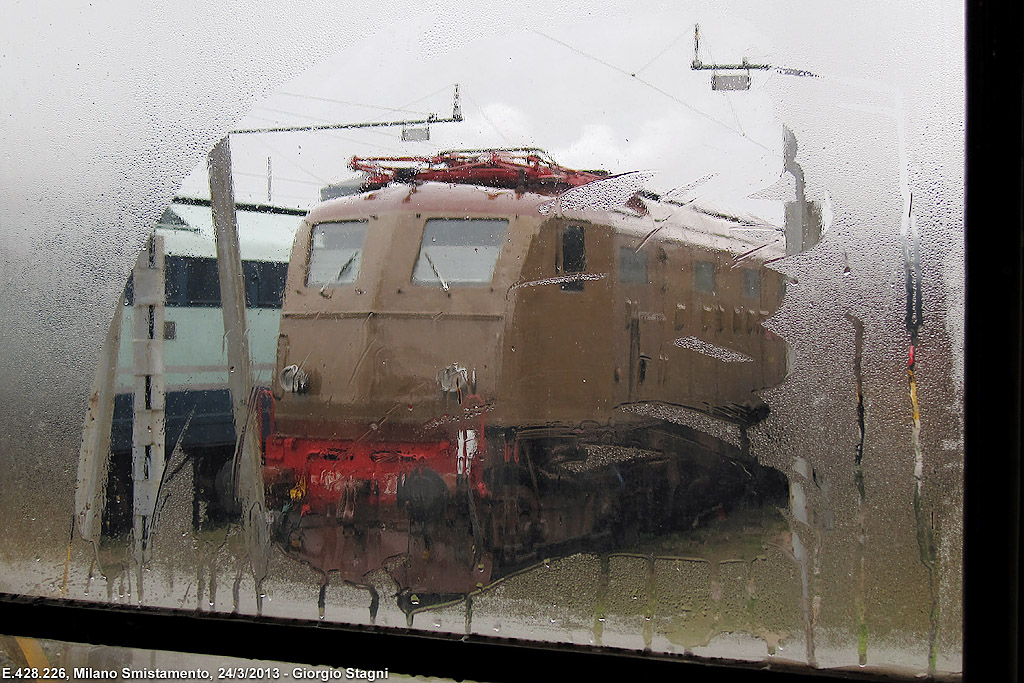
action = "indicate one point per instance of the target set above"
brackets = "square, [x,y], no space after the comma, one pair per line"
[340,272]
[444,285]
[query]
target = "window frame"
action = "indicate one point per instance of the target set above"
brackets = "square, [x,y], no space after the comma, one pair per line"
[701,270]
[631,262]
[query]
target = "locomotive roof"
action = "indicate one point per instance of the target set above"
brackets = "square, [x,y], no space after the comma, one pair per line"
[432,197]
[673,222]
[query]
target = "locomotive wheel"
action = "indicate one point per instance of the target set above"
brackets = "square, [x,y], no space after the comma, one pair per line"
[425,493]
[528,508]
[224,486]
[513,523]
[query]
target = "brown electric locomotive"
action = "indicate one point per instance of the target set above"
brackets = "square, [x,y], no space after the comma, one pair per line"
[515,357]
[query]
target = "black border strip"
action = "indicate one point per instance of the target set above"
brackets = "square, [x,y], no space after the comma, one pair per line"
[994,219]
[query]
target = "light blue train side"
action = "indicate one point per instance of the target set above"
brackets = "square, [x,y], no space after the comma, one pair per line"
[198,408]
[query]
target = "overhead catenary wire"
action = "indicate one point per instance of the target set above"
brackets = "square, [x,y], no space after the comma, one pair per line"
[320,119]
[663,51]
[432,118]
[279,179]
[654,87]
[490,122]
[381,107]
[354,141]
[420,99]
[287,158]
[342,126]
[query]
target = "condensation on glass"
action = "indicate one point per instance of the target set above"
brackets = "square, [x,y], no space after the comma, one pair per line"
[715,410]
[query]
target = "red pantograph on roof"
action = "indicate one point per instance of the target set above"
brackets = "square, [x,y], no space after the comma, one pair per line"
[525,169]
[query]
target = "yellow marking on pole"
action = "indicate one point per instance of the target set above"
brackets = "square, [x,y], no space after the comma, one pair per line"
[26,653]
[913,397]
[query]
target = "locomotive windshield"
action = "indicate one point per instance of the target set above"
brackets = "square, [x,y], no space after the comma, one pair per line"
[336,252]
[459,251]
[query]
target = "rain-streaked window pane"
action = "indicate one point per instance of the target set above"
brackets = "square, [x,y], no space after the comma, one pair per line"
[751,283]
[627,359]
[574,255]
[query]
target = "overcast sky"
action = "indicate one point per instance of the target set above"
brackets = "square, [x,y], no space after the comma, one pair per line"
[595,93]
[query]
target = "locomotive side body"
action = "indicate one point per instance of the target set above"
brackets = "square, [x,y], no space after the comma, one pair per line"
[452,354]
[674,318]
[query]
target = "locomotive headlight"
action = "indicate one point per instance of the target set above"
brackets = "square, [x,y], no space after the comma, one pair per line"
[294,379]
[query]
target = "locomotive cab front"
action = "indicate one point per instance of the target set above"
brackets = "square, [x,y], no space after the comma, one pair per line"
[391,338]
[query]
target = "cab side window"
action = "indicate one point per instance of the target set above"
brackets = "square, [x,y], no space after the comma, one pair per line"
[574,256]
[632,266]
[704,276]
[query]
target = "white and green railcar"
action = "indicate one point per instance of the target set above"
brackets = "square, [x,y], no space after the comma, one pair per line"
[197,405]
